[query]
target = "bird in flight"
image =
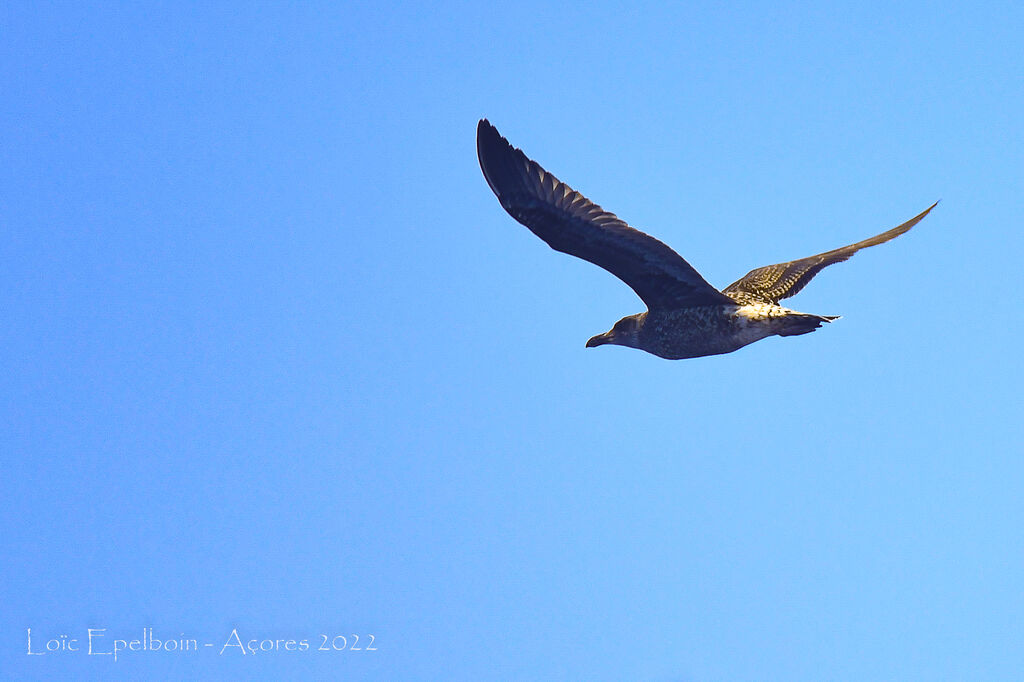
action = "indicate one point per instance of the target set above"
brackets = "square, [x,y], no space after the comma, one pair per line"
[686,317]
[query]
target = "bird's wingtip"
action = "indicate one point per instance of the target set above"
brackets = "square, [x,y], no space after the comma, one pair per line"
[918,218]
[486,131]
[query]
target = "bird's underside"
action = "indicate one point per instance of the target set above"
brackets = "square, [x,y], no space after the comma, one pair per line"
[686,317]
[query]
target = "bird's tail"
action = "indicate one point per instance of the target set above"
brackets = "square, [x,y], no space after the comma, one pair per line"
[803,323]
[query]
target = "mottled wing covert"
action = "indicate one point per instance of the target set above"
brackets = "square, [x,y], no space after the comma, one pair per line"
[773,283]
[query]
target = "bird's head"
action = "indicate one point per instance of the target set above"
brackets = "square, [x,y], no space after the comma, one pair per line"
[626,332]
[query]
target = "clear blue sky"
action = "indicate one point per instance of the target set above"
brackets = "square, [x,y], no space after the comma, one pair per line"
[275,362]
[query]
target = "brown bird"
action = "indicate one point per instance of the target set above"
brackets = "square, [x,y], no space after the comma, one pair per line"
[686,317]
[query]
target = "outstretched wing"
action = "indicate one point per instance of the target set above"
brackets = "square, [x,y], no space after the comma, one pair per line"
[772,283]
[571,223]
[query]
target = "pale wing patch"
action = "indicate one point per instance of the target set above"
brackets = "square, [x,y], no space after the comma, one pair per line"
[757,312]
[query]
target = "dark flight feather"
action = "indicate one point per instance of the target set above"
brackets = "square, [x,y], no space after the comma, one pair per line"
[572,224]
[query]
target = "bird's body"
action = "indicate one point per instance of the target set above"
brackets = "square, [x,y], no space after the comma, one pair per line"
[686,316]
[707,330]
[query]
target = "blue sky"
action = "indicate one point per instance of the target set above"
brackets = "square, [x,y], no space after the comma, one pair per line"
[276,363]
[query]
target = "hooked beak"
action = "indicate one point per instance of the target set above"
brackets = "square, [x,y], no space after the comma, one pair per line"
[599,340]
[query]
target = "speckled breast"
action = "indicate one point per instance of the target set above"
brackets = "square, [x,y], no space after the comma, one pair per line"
[707,330]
